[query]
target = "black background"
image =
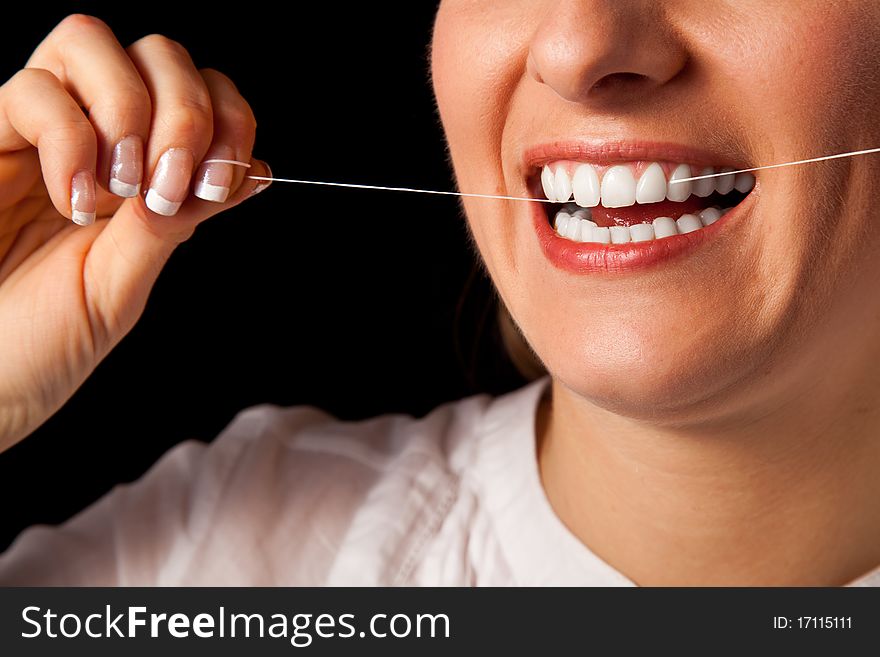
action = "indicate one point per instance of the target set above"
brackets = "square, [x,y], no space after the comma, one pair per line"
[355,301]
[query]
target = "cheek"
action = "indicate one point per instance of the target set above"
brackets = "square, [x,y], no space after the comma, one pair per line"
[808,75]
[473,68]
[478,60]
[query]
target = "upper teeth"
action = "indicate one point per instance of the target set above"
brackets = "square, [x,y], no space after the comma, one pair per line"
[618,187]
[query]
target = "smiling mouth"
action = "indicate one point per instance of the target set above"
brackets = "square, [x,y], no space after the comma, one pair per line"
[636,201]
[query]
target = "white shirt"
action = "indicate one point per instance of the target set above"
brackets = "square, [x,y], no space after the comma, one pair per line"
[289,497]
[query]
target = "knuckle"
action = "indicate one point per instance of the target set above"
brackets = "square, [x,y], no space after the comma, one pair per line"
[162,44]
[78,23]
[240,119]
[78,27]
[214,75]
[189,119]
[34,77]
[74,133]
[234,109]
[126,102]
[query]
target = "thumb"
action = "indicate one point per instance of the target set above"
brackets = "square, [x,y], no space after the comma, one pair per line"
[127,255]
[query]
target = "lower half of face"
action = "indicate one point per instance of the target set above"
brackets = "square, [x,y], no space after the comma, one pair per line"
[648,296]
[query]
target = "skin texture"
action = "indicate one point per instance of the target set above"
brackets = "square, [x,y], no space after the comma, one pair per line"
[68,294]
[712,419]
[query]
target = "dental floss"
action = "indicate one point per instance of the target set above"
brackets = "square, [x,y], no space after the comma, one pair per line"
[385,189]
[519,198]
[776,166]
[398,189]
[234,162]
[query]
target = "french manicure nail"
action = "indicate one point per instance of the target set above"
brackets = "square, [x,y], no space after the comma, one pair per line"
[126,168]
[213,182]
[82,198]
[170,182]
[263,184]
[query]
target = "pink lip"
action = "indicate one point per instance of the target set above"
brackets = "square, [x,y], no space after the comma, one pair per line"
[608,152]
[593,258]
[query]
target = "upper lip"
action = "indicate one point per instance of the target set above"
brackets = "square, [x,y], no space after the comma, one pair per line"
[610,152]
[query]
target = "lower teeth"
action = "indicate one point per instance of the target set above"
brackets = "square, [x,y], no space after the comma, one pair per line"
[575,225]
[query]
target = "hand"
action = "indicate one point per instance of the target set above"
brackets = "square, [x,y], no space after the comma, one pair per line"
[68,292]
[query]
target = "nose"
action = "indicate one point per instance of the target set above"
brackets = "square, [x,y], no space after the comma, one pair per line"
[590,49]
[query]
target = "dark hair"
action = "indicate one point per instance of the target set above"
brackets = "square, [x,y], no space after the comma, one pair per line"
[492,352]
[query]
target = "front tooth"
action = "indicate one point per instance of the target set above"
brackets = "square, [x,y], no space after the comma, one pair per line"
[600,234]
[709,216]
[619,234]
[547,178]
[688,223]
[585,185]
[665,227]
[724,184]
[562,185]
[652,185]
[618,188]
[641,232]
[744,182]
[679,191]
[706,186]
[582,213]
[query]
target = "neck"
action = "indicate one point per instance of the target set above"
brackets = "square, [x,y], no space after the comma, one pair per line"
[790,497]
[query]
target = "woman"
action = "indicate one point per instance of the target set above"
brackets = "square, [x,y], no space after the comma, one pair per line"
[711,407]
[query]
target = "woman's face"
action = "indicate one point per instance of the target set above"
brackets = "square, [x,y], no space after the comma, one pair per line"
[591,93]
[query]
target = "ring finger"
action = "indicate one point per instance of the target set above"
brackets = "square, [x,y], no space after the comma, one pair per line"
[234,132]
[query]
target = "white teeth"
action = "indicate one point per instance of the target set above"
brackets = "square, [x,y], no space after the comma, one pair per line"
[582,213]
[561,220]
[573,227]
[619,234]
[562,185]
[679,191]
[618,188]
[709,216]
[641,232]
[665,227]
[724,184]
[652,185]
[706,186]
[587,230]
[586,186]
[744,182]
[547,183]
[688,223]
[601,234]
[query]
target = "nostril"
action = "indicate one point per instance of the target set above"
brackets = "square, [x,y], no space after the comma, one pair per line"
[620,81]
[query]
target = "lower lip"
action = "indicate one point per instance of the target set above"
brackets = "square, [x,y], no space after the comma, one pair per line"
[594,258]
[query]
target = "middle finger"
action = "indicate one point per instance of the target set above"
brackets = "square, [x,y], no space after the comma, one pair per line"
[182,126]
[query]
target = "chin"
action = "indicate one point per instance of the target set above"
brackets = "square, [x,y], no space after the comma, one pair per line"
[657,376]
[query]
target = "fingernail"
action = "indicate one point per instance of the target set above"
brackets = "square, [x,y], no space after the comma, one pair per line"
[214,180]
[82,198]
[126,168]
[170,182]
[263,184]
